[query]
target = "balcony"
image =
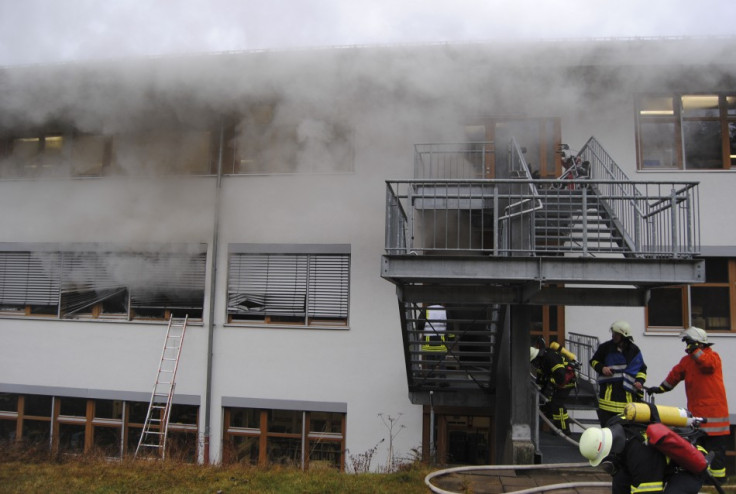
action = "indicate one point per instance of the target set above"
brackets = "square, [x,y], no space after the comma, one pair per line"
[478,245]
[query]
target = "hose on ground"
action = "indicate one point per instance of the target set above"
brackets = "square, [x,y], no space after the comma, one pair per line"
[543,466]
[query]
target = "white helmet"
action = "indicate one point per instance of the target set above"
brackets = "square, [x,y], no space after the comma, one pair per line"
[595,444]
[533,352]
[695,334]
[622,328]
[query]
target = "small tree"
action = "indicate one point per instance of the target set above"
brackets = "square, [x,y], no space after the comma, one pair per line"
[393,427]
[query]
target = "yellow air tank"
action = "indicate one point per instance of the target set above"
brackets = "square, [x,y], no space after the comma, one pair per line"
[564,351]
[672,416]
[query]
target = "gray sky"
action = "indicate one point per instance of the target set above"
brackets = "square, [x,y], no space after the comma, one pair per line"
[40,31]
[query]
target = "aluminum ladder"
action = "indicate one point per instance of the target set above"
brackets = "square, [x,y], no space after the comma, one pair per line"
[153,437]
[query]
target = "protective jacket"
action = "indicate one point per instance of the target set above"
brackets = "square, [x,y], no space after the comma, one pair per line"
[628,367]
[435,326]
[556,378]
[637,467]
[554,371]
[640,467]
[706,396]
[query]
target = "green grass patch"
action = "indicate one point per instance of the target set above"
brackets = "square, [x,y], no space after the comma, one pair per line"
[85,475]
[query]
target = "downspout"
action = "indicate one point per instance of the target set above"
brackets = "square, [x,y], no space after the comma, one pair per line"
[213,287]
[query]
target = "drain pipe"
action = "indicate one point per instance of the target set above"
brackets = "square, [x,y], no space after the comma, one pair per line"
[432,449]
[211,316]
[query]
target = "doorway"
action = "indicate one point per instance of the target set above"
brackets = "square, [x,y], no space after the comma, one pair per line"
[462,436]
[539,136]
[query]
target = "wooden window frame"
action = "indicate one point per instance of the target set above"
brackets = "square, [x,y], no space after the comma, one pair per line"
[685,293]
[263,434]
[677,118]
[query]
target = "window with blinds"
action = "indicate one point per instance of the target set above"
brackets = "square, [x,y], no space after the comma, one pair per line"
[102,284]
[289,287]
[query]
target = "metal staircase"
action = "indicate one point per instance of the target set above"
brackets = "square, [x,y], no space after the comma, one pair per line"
[152,442]
[472,334]
[576,220]
[483,246]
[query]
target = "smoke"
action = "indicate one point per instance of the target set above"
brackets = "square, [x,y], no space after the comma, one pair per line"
[314,111]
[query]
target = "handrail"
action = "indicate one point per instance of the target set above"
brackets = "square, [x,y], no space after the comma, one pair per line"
[516,157]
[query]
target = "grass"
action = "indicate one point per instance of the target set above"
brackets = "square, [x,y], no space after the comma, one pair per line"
[94,475]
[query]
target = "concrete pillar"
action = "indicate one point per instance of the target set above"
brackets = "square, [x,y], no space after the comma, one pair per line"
[522,448]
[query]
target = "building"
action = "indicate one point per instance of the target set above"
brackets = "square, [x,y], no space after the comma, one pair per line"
[255,193]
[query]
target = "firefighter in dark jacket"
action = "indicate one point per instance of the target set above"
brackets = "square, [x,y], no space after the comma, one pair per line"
[621,372]
[555,377]
[635,466]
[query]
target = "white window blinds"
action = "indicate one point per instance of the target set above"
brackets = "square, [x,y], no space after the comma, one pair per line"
[305,286]
[29,278]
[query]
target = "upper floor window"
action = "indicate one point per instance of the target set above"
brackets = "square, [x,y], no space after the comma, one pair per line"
[72,154]
[284,284]
[710,305]
[272,138]
[92,284]
[686,132]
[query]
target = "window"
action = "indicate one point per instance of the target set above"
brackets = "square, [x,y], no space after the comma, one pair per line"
[101,285]
[710,305]
[74,154]
[686,131]
[302,285]
[284,437]
[162,152]
[83,425]
[273,138]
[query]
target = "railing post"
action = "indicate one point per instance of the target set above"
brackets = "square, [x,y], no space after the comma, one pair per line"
[585,221]
[673,221]
[689,222]
[637,229]
[496,225]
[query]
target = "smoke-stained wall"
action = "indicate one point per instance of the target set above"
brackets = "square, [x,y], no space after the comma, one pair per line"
[380,102]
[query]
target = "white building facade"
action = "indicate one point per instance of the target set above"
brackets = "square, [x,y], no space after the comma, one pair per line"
[247,191]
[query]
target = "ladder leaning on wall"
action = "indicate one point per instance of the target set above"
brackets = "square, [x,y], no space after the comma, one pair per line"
[155,428]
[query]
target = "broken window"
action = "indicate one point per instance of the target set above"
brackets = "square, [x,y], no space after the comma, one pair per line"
[288,286]
[102,284]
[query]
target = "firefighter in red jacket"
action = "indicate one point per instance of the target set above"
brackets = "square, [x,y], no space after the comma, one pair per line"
[706,396]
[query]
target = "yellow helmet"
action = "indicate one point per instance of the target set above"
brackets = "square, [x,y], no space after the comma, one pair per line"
[595,444]
[622,328]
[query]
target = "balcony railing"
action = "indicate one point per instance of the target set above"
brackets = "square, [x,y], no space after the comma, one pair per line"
[642,219]
[447,210]
[453,160]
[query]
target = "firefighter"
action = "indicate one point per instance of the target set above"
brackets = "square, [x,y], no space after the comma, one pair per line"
[434,347]
[621,372]
[706,395]
[634,465]
[555,377]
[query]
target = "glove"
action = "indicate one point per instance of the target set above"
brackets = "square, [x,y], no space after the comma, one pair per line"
[655,390]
